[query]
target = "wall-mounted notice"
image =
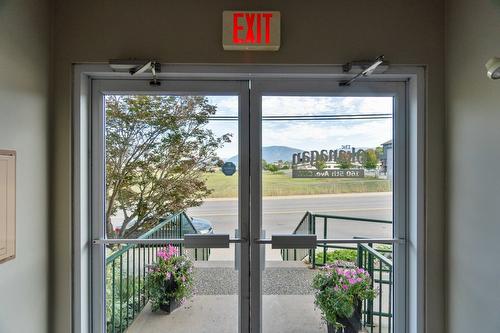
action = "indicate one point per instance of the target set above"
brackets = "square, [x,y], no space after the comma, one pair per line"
[7,205]
[251,31]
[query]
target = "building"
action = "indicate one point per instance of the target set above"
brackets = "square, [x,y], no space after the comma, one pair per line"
[386,159]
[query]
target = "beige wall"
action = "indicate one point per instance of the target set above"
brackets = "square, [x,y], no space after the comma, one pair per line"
[473,184]
[189,31]
[24,91]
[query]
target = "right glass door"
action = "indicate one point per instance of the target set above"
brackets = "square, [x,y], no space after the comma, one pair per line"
[332,164]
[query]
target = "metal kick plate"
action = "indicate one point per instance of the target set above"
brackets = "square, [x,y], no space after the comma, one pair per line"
[293,241]
[218,241]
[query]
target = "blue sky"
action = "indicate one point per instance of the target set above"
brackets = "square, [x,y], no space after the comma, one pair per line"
[310,134]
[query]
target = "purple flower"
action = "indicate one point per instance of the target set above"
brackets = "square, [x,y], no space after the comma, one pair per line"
[168,253]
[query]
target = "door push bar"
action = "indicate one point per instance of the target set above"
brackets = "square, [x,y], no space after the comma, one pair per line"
[189,241]
[215,241]
[311,241]
[285,241]
[293,241]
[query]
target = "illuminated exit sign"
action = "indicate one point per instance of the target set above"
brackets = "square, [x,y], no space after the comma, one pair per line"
[252,31]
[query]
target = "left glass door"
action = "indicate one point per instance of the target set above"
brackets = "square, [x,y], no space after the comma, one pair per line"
[167,162]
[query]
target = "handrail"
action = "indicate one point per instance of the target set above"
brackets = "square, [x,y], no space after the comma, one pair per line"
[377,254]
[380,269]
[155,241]
[124,249]
[336,217]
[349,218]
[367,258]
[304,218]
[127,268]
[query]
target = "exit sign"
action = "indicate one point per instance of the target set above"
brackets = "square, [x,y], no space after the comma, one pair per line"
[252,31]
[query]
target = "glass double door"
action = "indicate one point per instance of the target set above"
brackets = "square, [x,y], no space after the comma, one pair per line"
[220,206]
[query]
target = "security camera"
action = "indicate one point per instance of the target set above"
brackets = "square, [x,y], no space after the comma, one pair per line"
[493,68]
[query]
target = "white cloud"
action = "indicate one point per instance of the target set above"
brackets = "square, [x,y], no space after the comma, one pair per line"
[310,134]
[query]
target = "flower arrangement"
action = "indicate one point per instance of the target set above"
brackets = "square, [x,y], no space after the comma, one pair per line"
[169,280]
[339,293]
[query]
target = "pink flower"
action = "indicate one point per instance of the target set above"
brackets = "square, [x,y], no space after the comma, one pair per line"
[168,276]
[168,253]
[183,278]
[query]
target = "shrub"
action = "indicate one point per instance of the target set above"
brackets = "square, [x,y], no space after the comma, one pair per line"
[336,255]
[125,304]
[338,291]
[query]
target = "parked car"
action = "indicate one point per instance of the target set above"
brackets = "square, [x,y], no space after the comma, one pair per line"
[202,226]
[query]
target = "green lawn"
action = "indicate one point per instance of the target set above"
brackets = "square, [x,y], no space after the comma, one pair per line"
[281,184]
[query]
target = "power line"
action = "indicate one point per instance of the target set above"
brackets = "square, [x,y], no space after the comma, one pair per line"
[312,117]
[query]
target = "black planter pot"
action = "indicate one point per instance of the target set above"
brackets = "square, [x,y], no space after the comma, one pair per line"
[170,306]
[351,325]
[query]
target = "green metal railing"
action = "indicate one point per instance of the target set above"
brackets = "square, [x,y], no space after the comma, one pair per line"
[126,271]
[377,313]
[308,225]
[375,258]
[315,219]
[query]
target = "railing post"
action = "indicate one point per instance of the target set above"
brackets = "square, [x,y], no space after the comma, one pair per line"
[369,314]
[113,297]
[325,236]
[360,256]
[312,231]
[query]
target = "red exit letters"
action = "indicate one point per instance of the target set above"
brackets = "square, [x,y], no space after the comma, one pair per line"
[253,23]
[251,30]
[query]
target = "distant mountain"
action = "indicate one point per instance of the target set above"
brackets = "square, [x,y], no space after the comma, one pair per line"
[273,154]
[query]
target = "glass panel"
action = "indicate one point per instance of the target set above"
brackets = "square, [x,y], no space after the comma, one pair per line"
[166,177]
[327,170]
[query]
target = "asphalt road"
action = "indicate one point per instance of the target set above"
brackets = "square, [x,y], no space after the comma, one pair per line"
[282,214]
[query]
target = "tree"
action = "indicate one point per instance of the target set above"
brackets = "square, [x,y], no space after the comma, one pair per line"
[344,161]
[272,168]
[264,165]
[320,164]
[157,148]
[370,160]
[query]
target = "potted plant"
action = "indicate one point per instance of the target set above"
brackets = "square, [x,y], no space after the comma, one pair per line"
[169,280]
[339,294]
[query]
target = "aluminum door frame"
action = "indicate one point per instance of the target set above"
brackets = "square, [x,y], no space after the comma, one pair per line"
[328,87]
[101,87]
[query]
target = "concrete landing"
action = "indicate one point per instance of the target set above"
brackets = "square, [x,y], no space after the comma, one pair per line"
[219,314]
